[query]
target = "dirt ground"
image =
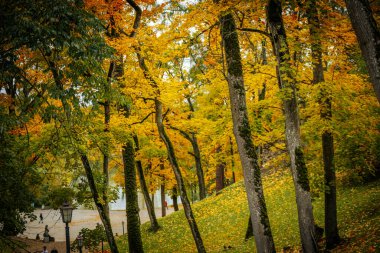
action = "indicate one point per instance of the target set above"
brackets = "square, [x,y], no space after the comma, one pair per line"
[36,246]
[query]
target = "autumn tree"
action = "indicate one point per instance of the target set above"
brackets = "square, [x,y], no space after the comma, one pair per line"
[331,221]
[58,39]
[163,135]
[154,226]
[368,36]
[190,80]
[287,84]
[242,132]
[133,220]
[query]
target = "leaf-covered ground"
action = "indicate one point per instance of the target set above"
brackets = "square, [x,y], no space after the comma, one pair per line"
[223,219]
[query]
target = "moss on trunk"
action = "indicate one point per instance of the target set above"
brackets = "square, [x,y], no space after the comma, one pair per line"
[133,219]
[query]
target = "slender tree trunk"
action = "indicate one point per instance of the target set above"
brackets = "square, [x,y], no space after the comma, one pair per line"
[148,202]
[165,138]
[163,207]
[133,220]
[368,35]
[219,177]
[181,185]
[192,193]
[101,210]
[198,165]
[331,223]
[105,184]
[242,132]
[233,179]
[153,200]
[197,157]
[174,197]
[287,84]
[107,117]
[249,232]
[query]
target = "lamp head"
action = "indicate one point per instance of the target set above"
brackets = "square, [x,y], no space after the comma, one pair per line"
[66,212]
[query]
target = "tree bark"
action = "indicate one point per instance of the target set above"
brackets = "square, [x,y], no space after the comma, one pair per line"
[148,202]
[331,223]
[287,84]
[232,161]
[198,165]
[163,207]
[368,36]
[107,117]
[101,210]
[181,185]
[197,157]
[242,132]
[219,177]
[175,201]
[133,219]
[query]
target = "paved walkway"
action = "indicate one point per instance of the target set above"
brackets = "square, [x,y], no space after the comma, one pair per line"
[81,219]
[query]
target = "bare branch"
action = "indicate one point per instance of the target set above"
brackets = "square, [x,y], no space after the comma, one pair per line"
[142,121]
[244,29]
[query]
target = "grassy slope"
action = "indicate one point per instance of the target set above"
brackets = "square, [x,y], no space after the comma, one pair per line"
[222,220]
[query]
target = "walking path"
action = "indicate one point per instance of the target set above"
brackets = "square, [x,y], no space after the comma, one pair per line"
[81,219]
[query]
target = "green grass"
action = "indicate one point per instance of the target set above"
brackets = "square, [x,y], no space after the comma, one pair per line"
[222,220]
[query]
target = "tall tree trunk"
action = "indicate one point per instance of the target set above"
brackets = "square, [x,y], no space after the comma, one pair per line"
[197,157]
[163,206]
[368,35]
[233,179]
[174,197]
[331,223]
[165,138]
[287,84]
[133,220]
[242,132]
[101,210]
[107,117]
[219,176]
[249,232]
[181,185]
[198,165]
[148,202]
[112,72]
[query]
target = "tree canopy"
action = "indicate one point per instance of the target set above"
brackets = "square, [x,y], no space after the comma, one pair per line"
[81,79]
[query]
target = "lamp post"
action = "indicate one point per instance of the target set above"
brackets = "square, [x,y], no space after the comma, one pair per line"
[67,213]
[80,242]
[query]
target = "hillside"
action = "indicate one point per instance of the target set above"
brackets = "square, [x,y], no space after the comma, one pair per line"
[222,220]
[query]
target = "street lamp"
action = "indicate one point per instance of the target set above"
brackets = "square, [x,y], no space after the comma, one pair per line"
[80,242]
[67,213]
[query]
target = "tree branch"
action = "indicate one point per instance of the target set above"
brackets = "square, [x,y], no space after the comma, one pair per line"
[141,121]
[244,29]
[136,22]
